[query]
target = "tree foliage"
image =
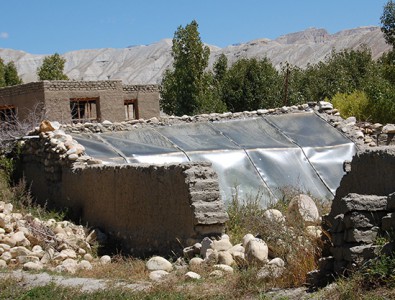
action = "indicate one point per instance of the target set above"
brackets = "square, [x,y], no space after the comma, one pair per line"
[220,67]
[250,84]
[52,68]
[2,72]
[386,64]
[350,78]
[8,74]
[388,23]
[187,88]
[355,104]
[11,76]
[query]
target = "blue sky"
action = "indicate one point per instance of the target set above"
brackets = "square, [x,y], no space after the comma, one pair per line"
[49,26]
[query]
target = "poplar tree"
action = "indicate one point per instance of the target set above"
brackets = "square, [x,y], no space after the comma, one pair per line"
[388,23]
[2,71]
[52,68]
[186,87]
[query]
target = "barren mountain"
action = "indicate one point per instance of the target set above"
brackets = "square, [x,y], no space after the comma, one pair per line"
[146,64]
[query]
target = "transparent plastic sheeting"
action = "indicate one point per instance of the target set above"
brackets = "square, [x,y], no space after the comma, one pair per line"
[258,158]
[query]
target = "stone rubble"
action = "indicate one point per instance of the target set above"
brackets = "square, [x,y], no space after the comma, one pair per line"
[222,257]
[31,244]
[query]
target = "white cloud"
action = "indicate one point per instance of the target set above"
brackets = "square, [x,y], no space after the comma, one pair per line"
[4,35]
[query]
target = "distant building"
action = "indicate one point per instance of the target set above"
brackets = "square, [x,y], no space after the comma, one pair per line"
[80,101]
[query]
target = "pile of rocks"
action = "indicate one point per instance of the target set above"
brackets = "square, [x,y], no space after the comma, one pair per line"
[55,149]
[222,256]
[29,243]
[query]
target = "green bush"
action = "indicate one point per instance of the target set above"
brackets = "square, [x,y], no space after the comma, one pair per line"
[355,104]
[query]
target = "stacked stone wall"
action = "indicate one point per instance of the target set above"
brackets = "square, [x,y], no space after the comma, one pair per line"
[355,232]
[71,85]
[145,88]
[362,215]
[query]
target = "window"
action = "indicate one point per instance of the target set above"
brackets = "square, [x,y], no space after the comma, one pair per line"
[131,109]
[84,109]
[7,114]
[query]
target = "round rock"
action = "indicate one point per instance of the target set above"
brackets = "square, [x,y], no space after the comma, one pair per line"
[256,251]
[158,275]
[192,276]
[247,238]
[159,263]
[302,208]
[196,261]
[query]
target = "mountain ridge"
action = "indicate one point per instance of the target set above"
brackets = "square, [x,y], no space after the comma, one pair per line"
[145,64]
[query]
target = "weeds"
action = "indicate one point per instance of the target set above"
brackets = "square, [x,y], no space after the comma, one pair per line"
[291,242]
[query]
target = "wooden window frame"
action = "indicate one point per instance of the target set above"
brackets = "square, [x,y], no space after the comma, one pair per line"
[133,102]
[8,114]
[90,109]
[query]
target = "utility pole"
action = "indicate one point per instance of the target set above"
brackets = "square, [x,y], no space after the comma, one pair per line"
[286,83]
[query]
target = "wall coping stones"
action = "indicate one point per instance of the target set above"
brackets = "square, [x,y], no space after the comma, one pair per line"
[364,135]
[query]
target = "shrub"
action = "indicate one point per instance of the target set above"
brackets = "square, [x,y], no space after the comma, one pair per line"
[291,242]
[355,104]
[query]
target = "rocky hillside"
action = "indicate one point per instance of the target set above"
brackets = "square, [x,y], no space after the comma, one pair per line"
[146,64]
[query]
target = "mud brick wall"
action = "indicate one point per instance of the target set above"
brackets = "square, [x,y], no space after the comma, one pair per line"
[54,98]
[148,209]
[147,97]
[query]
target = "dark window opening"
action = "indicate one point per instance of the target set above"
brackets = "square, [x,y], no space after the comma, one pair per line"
[83,109]
[131,109]
[7,114]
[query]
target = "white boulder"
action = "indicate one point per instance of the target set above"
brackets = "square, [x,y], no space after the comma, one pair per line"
[159,263]
[192,276]
[256,251]
[273,216]
[158,275]
[303,208]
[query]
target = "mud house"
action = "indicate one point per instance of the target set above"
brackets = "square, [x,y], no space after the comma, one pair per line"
[80,101]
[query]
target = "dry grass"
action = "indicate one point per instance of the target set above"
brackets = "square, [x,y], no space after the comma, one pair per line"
[291,242]
[121,268]
[298,249]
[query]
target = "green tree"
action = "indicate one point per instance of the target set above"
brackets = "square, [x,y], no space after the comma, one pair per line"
[381,95]
[186,88]
[2,71]
[341,72]
[386,64]
[220,67]
[251,84]
[52,68]
[11,76]
[388,22]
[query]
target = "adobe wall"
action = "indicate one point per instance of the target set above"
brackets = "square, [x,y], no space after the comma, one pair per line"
[149,209]
[109,92]
[28,98]
[148,99]
[55,97]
